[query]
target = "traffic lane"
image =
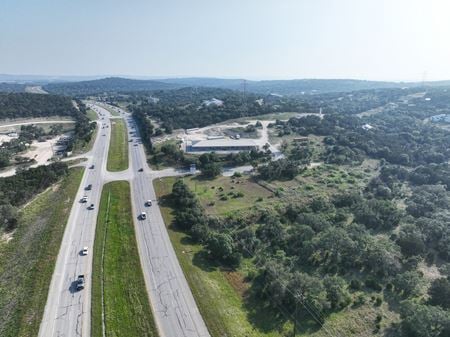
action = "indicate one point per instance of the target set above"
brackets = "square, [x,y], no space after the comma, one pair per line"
[72,308]
[174,297]
[75,304]
[171,298]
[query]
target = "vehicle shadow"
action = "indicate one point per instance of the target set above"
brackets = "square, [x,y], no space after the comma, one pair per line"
[73,287]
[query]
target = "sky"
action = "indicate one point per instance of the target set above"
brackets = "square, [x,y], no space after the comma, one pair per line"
[400,40]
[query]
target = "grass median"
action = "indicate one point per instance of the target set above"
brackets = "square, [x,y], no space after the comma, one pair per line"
[28,259]
[118,148]
[118,288]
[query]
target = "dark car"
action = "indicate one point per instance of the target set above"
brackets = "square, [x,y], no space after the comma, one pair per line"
[80,282]
[141,169]
[91,206]
[88,187]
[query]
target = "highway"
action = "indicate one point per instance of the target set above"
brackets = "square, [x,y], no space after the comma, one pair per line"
[67,312]
[174,307]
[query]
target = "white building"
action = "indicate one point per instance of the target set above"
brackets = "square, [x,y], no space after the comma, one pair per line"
[224,145]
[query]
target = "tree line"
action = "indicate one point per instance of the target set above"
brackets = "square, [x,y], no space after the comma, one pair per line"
[16,190]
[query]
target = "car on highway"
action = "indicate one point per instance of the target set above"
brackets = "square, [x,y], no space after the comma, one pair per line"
[84,251]
[141,169]
[80,282]
[88,187]
[91,206]
[143,216]
[92,167]
[84,199]
[148,203]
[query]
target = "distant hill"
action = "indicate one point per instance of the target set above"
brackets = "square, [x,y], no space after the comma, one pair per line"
[106,85]
[282,87]
[12,87]
[289,87]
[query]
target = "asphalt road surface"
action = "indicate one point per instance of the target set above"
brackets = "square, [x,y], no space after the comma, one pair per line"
[67,312]
[174,307]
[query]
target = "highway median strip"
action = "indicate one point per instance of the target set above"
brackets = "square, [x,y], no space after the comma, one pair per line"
[118,148]
[120,304]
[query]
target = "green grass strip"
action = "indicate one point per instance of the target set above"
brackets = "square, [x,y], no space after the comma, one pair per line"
[118,148]
[121,286]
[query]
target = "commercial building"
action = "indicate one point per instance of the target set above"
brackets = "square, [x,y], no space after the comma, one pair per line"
[220,145]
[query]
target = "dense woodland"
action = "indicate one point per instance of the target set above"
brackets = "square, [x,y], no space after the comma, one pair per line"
[105,85]
[20,105]
[265,87]
[186,108]
[12,87]
[342,250]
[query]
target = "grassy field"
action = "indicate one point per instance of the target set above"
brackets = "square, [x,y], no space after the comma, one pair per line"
[127,308]
[27,261]
[92,115]
[118,149]
[225,195]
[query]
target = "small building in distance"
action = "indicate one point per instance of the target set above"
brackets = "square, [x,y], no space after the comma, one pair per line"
[301,140]
[440,118]
[224,145]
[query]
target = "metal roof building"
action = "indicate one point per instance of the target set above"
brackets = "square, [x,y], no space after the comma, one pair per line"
[221,145]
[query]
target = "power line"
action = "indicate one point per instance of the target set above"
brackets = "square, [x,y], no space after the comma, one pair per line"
[310,308]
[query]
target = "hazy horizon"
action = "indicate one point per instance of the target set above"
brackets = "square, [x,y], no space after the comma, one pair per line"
[370,40]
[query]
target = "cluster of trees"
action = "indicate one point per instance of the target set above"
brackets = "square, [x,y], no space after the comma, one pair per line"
[186,108]
[324,253]
[427,233]
[20,188]
[20,105]
[105,85]
[283,169]
[84,128]
[397,138]
[12,87]
[190,217]
[146,128]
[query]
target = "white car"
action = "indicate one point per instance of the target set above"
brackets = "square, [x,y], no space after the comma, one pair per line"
[84,199]
[84,251]
[143,216]
[148,203]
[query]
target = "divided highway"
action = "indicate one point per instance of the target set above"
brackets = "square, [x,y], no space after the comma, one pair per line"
[67,312]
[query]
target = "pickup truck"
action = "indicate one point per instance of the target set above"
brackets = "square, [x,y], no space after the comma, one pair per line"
[80,282]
